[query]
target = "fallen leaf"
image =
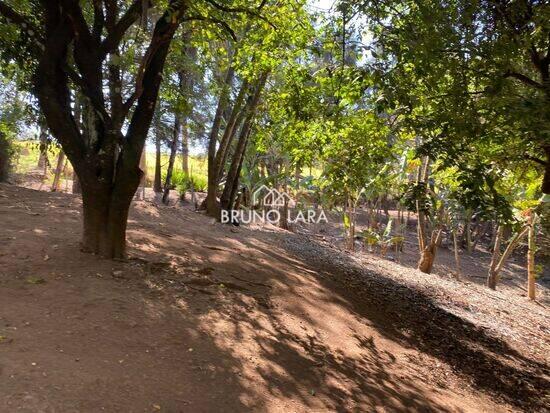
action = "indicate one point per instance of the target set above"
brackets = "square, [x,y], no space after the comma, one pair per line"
[36,280]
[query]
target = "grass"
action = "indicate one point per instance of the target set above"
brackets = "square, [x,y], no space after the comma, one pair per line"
[28,152]
[198,167]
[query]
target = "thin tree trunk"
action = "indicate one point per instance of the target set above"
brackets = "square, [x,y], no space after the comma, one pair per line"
[233,173]
[157,183]
[351,218]
[76,188]
[43,148]
[185,147]
[143,181]
[479,234]
[427,257]
[421,217]
[171,161]
[494,231]
[211,202]
[58,171]
[283,223]
[531,294]
[457,256]
[237,116]
[492,277]
[468,232]
[235,189]
[498,263]
[421,227]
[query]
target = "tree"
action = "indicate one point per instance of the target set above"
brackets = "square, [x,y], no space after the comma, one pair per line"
[72,47]
[478,71]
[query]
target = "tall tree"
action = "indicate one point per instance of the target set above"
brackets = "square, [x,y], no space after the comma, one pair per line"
[69,44]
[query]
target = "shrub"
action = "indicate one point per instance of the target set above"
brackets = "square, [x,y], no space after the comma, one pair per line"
[199,183]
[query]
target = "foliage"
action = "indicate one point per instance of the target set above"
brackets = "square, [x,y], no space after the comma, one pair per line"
[185,183]
[7,152]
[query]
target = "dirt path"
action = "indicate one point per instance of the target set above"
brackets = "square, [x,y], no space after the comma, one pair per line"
[206,318]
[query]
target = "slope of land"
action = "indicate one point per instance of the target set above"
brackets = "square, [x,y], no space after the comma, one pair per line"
[208,318]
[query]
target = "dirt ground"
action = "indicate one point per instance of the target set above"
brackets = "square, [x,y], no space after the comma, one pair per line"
[205,317]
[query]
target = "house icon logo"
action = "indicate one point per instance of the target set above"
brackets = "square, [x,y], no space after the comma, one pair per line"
[270,197]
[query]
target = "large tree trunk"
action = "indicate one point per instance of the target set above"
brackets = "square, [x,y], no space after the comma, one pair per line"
[105,159]
[105,220]
[106,207]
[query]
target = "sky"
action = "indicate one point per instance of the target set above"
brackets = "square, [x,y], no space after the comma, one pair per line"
[322,4]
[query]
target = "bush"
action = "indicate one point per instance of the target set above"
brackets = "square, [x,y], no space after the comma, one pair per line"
[7,152]
[199,183]
[178,178]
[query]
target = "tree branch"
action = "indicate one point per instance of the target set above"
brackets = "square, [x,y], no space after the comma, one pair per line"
[115,35]
[18,19]
[240,10]
[150,77]
[524,79]
[12,16]
[223,24]
[535,159]
[99,20]
[74,12]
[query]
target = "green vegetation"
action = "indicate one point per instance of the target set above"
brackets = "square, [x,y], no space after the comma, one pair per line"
[436,108]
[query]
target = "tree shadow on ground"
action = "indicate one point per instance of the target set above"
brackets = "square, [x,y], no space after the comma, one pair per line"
[235,301]
[299,366]
[412,318]
[291,366]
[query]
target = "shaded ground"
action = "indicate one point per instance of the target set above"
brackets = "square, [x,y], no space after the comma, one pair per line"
[208,318]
